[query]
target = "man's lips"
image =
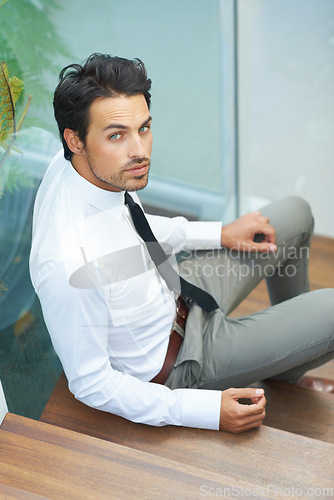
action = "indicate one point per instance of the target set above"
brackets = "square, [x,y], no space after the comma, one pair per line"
[138,169]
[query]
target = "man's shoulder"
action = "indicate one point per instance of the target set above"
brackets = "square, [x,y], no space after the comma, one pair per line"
[54,197]
[54,174]
[53,210]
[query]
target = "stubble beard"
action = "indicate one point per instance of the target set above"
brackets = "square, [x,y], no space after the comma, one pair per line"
[117,181]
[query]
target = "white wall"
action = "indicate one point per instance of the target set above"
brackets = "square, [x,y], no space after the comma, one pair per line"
[3,405]
[286,103]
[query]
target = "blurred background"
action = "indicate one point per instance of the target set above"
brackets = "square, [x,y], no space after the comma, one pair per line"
[243,114]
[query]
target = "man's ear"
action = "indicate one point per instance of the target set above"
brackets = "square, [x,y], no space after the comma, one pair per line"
[73,142]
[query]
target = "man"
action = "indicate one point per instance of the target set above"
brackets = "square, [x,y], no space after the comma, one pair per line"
[115,320]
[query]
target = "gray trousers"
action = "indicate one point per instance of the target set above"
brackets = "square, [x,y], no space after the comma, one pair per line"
[282,342]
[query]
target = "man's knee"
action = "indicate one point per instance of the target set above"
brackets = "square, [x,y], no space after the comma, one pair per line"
[293,212]
[301,208]
[326,303]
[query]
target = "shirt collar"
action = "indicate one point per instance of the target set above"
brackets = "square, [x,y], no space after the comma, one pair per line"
[104,200]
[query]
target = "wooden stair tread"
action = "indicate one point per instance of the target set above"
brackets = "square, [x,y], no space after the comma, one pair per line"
[290,408]
[11,493]
[58,463]
[299,410]
[324,371]
[261,455]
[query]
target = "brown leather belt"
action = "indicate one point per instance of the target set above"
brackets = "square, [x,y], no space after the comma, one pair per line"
[175,342]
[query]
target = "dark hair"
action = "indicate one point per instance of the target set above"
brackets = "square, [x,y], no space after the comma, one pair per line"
[101,75]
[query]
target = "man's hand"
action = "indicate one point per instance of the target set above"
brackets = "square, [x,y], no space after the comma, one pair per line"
[236,417]
[240,234]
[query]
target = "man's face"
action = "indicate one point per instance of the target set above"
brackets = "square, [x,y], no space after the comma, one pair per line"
[117,151]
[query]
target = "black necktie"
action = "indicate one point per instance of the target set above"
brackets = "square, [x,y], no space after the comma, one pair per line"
[173,280]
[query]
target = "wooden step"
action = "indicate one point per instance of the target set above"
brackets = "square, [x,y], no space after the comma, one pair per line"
[264,456]
[290,408]
[324,371]
[59,464]
[299,410]
[10,493]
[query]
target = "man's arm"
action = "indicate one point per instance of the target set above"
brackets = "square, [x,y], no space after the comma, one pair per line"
[251,232]
[78,322]
[78,328]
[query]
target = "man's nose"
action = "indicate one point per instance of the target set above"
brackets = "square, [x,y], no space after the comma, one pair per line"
[136,147]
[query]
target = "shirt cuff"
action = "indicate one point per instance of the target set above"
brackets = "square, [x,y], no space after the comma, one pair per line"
[203,235]
[200,408]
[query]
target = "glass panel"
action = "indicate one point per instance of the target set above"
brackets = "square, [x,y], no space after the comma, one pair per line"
[188,49]
[3,404]
[29,367]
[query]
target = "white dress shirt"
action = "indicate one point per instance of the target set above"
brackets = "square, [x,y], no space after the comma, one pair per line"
[108,311]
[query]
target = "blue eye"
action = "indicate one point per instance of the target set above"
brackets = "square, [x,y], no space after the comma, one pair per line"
[115,136]
[143,129]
